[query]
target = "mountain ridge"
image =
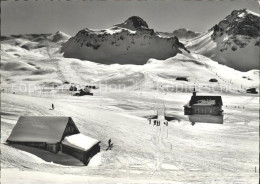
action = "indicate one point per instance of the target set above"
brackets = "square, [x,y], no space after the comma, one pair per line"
[131,42]
[234,41]
[181,33]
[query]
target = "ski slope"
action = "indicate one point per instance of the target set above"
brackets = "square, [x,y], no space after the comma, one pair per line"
[206,153]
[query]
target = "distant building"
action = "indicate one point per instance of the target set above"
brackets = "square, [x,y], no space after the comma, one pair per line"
[213,80]
[50,133]
[204,105]
[252,90]
[83,92]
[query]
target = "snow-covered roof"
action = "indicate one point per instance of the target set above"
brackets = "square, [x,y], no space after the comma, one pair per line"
[80,141]
[187,105]
[152,117]
[206,100]
[47,129]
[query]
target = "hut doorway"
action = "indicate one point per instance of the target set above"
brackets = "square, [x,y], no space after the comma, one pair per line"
[52,148]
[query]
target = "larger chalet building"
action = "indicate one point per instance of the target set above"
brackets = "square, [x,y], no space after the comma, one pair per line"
[54,134]
[204,105]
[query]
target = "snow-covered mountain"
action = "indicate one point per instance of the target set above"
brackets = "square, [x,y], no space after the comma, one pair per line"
[35,75]
[234,41]
[35,41]
[182,34]
[29,54]
[59,36]
[131,42]
[37,57]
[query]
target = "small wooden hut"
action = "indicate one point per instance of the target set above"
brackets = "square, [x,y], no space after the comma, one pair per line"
[49,133]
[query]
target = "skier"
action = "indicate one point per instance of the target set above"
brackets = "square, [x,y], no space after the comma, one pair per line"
[52,106]
[109,145]
[158,123]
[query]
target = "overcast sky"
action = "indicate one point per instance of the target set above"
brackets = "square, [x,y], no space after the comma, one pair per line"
[46,16]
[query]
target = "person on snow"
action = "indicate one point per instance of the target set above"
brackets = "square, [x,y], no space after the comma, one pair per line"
[52,106]
[109,145]
[158,123]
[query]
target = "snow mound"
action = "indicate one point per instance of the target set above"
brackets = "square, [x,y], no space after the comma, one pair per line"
[80,141]
[96,160]
[16,65]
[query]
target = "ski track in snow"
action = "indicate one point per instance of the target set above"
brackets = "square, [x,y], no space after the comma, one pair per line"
[148,152]
[178,153]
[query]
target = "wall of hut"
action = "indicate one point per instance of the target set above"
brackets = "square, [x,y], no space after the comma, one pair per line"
[83,156]
[212,110]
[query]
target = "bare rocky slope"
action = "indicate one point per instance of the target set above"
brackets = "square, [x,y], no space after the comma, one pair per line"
[181,34]
[234,41]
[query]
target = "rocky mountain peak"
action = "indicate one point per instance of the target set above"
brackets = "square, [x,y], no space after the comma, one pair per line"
[130,42]
[138,22]
[240,22]
[134,23]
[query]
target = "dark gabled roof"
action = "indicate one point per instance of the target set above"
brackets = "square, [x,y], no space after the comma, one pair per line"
[206,100]
[170,118]
[152,117]
[47,129]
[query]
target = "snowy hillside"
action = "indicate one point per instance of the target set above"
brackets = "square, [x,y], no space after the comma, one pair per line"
[180,72]
[204,153]
[35,41]
[45,66]
[35,75]
[131,42]
[234,41]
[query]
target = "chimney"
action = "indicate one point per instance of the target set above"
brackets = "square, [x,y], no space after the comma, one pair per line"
[194,92]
